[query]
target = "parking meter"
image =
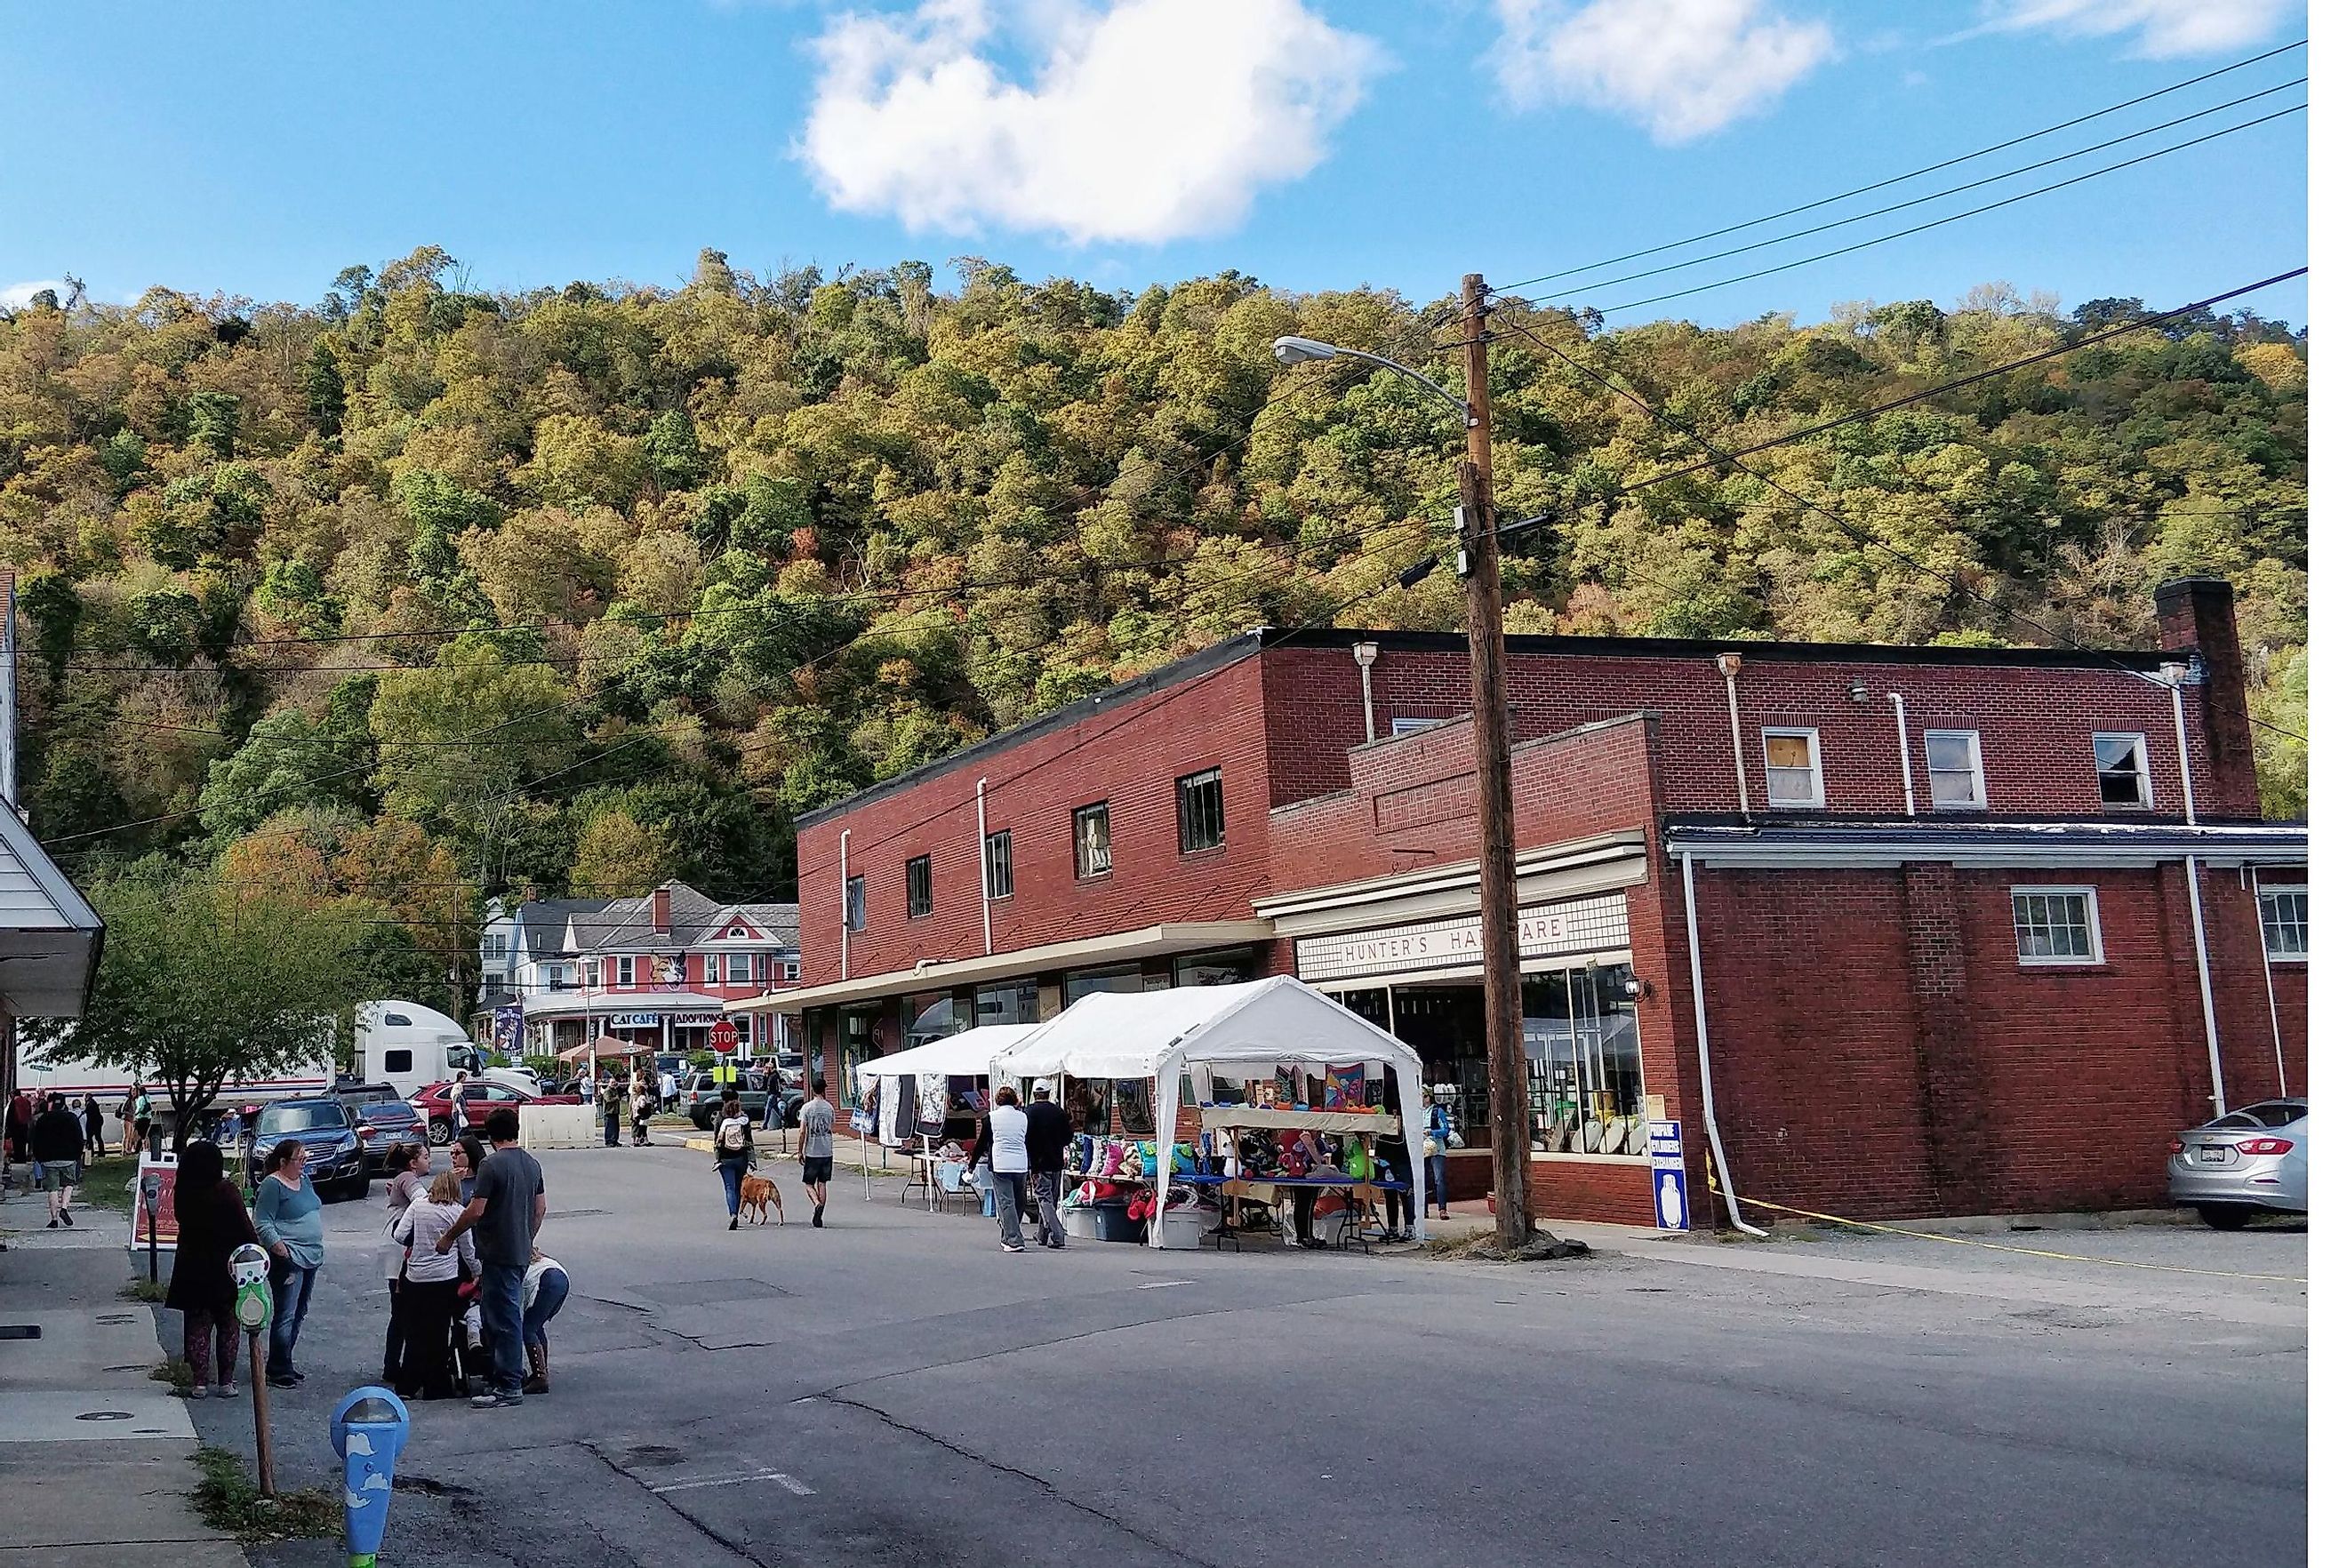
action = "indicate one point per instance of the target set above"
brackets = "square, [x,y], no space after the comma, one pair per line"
[247,1269]
[370,1428]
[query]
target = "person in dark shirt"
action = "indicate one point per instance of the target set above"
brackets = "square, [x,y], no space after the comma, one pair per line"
[508,1204]
[1049,1133]
[212,1224]
[57,1158]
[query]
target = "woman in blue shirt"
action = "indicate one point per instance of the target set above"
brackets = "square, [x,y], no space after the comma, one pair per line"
[292,1225]
[1438,1145]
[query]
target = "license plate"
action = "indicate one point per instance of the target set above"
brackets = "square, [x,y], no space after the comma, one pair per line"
[2214,1155]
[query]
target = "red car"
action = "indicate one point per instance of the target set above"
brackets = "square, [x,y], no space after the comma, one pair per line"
[449,1118]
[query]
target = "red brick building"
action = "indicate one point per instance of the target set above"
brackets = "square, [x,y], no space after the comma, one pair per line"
[1940,957]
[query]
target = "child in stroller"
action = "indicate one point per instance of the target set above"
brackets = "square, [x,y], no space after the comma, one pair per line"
[468,1364]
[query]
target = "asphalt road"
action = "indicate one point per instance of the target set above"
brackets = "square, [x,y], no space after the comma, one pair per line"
[894,1389]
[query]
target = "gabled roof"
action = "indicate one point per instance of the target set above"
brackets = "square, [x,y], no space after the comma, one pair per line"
[49,935]
[774,922]
[545,922]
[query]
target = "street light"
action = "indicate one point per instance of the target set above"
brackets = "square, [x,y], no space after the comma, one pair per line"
[1503,1007]
[1303,350]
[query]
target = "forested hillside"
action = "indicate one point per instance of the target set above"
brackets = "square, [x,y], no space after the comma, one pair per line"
[423,592]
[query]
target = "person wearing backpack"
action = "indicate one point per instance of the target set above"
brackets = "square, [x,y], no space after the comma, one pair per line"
[737,1156]
[140,1112]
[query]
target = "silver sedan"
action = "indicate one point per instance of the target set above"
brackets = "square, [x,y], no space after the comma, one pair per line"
[2247,1162]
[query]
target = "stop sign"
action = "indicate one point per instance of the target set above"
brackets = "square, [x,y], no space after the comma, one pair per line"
[723,1036]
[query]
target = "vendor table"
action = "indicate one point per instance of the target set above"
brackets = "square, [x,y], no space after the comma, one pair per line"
[1231,1189]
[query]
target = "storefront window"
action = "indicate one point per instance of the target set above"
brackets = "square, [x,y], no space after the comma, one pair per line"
[1229,969]
[1013,1003]
[933,1015]
[1581,1043]
[1122,978]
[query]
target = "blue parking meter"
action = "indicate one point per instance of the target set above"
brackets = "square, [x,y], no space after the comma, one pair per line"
[370,1428]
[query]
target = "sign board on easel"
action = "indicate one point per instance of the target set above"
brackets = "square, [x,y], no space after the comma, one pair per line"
[1668,1161]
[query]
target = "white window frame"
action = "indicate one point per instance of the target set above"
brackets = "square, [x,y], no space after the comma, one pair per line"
[2288,889]
[1979,771]
[1408,724]
[623,969]
[708,970]
[1817,769]
[790,962]
[1087,868]
[2143,769]
[742,958]
[2064,960]
[1002,862]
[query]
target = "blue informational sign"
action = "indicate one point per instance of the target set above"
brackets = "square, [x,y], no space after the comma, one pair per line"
[1668,1160]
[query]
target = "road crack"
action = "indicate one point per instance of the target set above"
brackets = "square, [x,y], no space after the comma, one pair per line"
[733,1548]
[1051,1489]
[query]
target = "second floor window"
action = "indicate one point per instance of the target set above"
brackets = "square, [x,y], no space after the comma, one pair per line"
[1795,778]
[623,971]
[496,942]
[790,967]
[2282,911]
[1092,840]
[737,969]
[854,911]
[1199,800]
[998,865]
[1954,758]
[917,888]
[2123,770]
[709,962]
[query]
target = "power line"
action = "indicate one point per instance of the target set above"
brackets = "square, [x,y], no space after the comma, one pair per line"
[1934,224]
[1940,195]
[1863,535]
[1900,178]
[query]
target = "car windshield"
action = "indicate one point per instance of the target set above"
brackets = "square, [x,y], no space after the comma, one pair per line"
[307,1118]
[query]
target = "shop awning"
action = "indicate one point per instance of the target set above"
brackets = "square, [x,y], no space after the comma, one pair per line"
[970,1054]
[1117,947]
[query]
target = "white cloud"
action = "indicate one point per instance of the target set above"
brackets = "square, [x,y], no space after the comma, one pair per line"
[2163,28]
[1682,68]
[1147,120]
[17,296]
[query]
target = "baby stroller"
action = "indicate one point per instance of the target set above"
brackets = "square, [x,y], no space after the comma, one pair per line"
[469,1362]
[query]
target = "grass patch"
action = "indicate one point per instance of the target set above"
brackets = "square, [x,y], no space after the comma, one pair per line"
[176,1372]
[144,1290]
[108,1185]
[230,1501]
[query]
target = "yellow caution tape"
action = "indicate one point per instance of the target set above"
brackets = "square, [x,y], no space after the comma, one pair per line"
[2024,1251]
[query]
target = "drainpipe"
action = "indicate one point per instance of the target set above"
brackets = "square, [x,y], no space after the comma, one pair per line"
[1906,763]
[843,901]
[984,892]
[1730,663]
[1703,1032]
[2265,958]
[2174,675]
[1366,654]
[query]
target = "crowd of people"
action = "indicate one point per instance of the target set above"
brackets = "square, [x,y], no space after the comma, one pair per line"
[469,1287]
[25,1111]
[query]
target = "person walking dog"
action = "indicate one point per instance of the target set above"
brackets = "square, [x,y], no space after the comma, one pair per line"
[737,1156]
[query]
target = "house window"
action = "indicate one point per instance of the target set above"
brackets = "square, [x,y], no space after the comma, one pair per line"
[791,969]
[758,969]
[2057,926]
[496,944]
[854,904]
[2282,912]
[1954,758]
[998,865]
[737,969]
[1412,726]
[917,886]
[1199,798]
[2123,770]
[625,969]
[557,978]
[1795,776]
[708,969]
[1092,840]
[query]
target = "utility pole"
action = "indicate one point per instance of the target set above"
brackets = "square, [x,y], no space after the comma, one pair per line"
[1503,988]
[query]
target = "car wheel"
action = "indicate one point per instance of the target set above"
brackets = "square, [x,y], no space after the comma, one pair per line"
[2224,1216]
[442,1134]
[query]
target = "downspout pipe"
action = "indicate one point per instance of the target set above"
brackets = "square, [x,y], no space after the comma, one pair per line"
[2174,675]
[1366,654]
[843,901]
[985,884]
[1730,663]
[1703,1046]
[1906,761]
[2265,958]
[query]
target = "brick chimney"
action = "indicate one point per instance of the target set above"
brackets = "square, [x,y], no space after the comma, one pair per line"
[660,909]
[2196,617]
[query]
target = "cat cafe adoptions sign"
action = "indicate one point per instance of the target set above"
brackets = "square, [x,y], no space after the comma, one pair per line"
[1544,931]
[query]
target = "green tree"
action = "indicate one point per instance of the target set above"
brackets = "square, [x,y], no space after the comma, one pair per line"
[619,857]
[287,761]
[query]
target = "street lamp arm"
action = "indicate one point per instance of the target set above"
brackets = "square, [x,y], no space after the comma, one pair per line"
[1302,349]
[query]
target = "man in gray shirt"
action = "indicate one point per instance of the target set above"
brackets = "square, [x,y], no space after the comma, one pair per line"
[815,1118]
[508,1205]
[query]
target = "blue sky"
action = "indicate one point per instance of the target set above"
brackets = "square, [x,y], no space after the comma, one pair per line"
[1312,143]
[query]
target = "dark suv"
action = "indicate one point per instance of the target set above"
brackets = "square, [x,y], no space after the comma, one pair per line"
[702,1097]
[324,1126]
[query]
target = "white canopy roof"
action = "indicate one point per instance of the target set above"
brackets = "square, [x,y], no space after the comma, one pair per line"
[1128,1034]
[970,1054]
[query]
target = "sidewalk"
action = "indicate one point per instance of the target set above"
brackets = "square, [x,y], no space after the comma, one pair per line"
[95,1468]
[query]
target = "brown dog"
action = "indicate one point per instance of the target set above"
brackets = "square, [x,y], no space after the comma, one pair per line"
[758,1195]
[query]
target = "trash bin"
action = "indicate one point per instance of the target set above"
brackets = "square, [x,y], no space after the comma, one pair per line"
[1184,1228]
[1118,1226]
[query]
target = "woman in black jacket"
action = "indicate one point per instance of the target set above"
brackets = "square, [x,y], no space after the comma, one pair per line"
[212,1224]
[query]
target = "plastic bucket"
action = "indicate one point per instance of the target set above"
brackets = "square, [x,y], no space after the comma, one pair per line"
[1184,1228]
[1118,1226]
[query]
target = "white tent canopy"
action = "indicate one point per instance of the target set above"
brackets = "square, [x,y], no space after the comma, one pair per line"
[1242,1031]
[970,1054]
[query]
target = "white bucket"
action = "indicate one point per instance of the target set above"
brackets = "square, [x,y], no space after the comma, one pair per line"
[1184,1228]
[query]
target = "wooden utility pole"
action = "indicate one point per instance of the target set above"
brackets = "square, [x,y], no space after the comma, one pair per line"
[1503,989]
